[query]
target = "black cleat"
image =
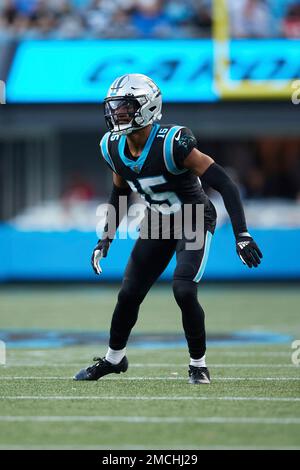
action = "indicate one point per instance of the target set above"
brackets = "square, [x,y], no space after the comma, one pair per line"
[199,375]
[101,368]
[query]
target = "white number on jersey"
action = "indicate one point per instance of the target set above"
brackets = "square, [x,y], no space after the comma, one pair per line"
[172,202]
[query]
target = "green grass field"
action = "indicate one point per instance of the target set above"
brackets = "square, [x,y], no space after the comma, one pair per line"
[252,402]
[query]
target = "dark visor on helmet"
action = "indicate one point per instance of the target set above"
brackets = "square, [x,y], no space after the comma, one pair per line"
[119,111]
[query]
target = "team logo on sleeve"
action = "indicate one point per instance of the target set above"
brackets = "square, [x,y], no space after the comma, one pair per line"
[185,140]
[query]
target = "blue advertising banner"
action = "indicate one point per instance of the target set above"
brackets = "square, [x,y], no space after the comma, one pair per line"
[81,71]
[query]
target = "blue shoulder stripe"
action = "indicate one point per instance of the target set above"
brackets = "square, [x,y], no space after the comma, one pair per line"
[168,152]
[105,152]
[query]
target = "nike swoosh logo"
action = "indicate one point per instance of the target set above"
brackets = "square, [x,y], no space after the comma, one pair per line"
[177,138]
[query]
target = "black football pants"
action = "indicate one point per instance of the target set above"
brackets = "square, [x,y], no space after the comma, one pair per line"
[148,260]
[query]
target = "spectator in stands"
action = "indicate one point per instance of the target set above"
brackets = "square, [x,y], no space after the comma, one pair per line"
[150,20]
[250,18]
[145,18]
[104,18]
[203,18]
[110,19]
[291,22]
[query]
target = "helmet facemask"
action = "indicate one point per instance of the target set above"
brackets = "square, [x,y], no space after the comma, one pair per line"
[122,114]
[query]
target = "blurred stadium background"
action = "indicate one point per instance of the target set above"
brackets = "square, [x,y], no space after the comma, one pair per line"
[229,70]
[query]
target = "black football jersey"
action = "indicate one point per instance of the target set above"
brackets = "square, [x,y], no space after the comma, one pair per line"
[157,174]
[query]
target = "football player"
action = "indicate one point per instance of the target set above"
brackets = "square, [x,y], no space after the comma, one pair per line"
[162,163]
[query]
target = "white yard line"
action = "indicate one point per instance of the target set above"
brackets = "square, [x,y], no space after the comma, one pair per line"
[66,355]
[146,378]
[139,447]
[154,365]
[149,398]
[222,365]
[244,353]
[151,420]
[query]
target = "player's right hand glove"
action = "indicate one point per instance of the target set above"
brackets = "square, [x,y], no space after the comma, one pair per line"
[100,251]
[248,251]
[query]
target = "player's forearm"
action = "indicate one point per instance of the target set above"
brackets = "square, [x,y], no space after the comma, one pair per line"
[116,210]
[217,178]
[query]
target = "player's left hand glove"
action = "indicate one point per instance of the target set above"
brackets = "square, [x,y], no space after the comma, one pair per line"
[248,251]
[100,251]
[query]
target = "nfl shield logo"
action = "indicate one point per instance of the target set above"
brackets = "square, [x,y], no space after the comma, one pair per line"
[136,168]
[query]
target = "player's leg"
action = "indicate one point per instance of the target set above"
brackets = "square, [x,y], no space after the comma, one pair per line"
[189,270]
[148,260]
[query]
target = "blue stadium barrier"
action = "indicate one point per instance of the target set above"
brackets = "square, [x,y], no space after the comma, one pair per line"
[49,256]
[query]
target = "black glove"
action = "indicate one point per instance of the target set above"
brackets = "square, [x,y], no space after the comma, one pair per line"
[248,251]
[100,251]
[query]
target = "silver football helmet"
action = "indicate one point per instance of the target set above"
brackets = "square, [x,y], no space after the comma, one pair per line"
[133,101]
